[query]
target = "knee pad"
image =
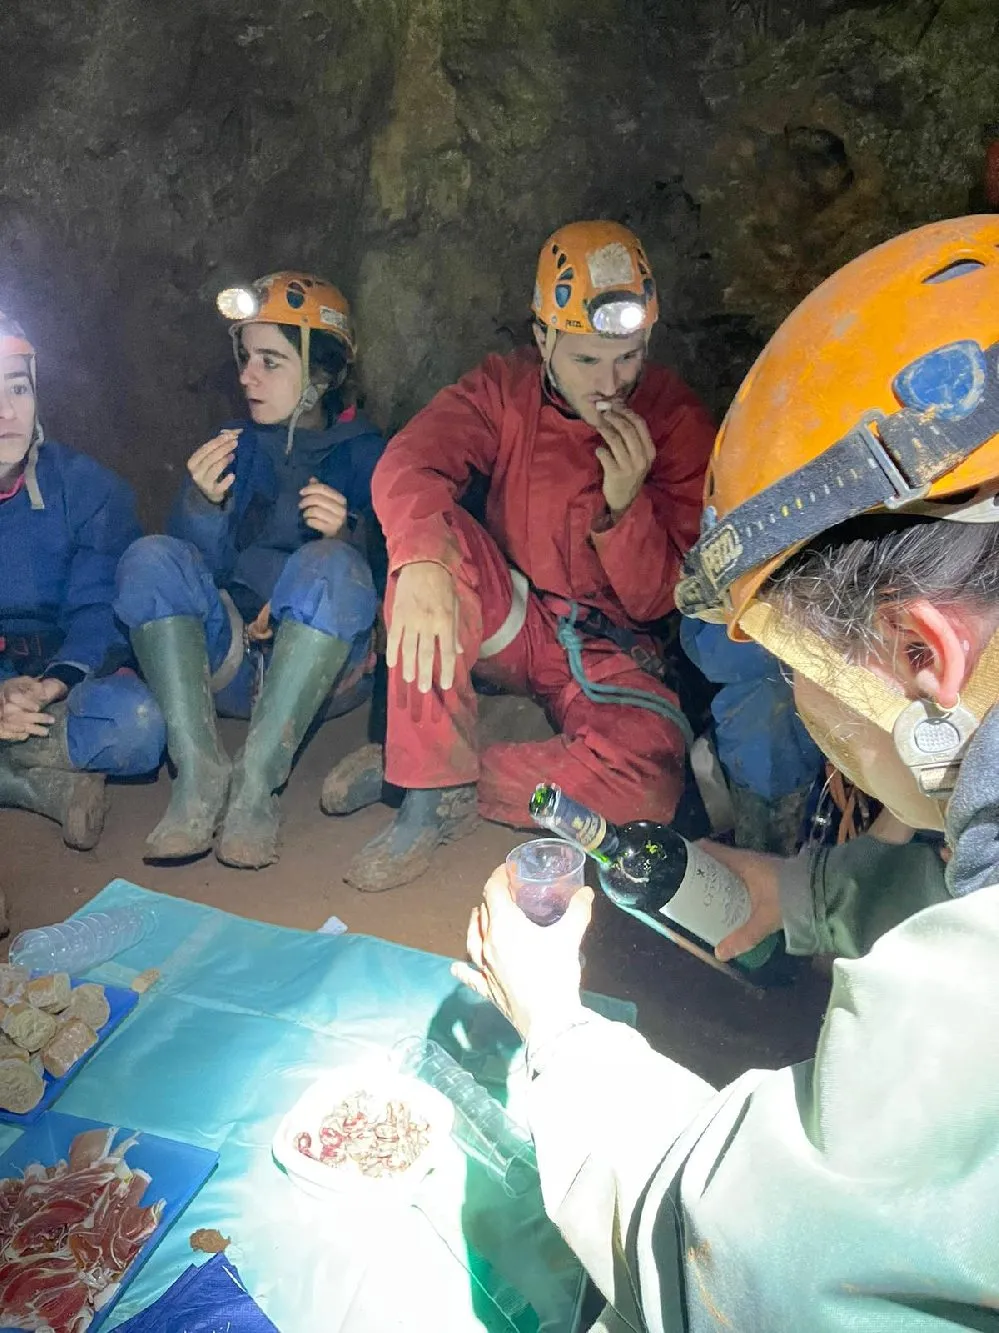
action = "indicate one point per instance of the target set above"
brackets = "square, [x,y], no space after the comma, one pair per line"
[161,576]
[327,585]
[115,726]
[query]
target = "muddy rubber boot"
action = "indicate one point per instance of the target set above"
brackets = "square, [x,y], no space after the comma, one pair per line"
[355,782]
[769,826]
[427,818]
[174,661]
[76,801]
[303,666]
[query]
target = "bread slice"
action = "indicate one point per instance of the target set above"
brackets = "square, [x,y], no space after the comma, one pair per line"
[21,1088]
[50,993]
[9,1050]
[12,982]
[73,1040]
[89,1003]
[28,1026]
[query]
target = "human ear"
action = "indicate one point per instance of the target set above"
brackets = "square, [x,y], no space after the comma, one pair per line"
[933,650]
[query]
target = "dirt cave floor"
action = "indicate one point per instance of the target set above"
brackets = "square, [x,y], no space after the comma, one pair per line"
[686,1009]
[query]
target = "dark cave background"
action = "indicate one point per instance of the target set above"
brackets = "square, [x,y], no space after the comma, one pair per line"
[417,152]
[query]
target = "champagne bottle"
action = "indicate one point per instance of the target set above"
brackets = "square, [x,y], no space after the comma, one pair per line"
[650,871]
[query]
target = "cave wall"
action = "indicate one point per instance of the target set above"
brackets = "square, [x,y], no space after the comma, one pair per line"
[418,151]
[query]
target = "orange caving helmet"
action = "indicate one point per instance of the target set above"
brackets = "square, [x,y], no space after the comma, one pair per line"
[880,392]
[291,298]
[594,277]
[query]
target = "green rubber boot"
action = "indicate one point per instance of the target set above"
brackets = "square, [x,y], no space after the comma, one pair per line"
[355,782]
[428,818]
[38,775]
[303,666]
[174,661]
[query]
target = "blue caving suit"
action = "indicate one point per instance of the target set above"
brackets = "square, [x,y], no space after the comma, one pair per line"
[62,534]
[257,548]
[760,739]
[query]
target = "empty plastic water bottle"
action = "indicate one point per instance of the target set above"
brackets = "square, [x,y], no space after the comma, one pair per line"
[82,942]
[482,1127]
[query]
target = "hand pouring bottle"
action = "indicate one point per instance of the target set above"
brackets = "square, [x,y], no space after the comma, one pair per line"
[651,872]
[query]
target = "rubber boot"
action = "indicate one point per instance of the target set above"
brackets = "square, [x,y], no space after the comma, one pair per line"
[427,818]
[304,664]
[38,775]
[355,782]
[174,661]
[769,826]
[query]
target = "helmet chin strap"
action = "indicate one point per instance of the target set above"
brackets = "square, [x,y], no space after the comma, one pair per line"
[311,395]
[551,338]
[931,741]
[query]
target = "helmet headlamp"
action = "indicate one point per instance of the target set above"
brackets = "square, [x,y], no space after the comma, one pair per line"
[617,314]
[238,303]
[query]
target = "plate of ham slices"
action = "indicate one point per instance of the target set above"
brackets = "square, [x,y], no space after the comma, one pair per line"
[82,1207]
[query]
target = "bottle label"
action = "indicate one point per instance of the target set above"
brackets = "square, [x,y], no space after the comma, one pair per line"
[711,901]
[574,822]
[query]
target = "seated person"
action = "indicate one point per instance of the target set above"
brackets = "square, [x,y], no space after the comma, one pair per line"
[269,527]
[770,762]
[595,461]
[64,522]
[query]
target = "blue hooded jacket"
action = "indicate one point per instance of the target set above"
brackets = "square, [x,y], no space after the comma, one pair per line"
[58,561]
[246,540]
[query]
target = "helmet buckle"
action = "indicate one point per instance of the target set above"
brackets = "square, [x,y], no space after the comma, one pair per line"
[931,742]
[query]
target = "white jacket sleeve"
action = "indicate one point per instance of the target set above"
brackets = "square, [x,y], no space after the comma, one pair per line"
[605,1111]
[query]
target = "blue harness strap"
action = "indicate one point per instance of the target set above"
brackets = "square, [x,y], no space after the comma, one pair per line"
[572,641]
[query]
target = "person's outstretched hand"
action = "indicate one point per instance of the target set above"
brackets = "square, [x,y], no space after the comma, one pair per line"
[424,624]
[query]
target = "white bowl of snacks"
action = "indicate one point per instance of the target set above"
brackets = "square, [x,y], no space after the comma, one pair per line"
[364,1130]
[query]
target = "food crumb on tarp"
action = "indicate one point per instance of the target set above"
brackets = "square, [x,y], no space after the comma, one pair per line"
[144,980]
[208,1241]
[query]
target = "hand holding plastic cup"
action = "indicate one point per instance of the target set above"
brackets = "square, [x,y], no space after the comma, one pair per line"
[544,875]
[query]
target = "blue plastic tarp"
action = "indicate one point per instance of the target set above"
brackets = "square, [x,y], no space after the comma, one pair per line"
[244,1017]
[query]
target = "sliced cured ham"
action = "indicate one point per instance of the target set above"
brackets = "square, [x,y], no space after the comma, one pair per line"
[68,1232]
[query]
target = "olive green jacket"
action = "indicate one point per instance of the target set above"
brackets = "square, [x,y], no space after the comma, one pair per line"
[839,900]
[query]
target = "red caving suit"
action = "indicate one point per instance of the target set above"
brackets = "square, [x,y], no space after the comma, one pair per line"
[546,517]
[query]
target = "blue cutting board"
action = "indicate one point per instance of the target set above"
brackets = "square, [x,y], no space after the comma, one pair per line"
[178,1171]
[121,1003]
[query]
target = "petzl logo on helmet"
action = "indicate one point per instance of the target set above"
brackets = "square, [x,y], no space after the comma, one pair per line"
[611,266]
[719,552]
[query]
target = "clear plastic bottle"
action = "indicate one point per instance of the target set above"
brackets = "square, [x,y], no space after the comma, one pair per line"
[482,1127]
[82,942]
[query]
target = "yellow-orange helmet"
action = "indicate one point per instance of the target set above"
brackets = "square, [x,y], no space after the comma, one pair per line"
[879,392]
[594,277]
[301,299]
